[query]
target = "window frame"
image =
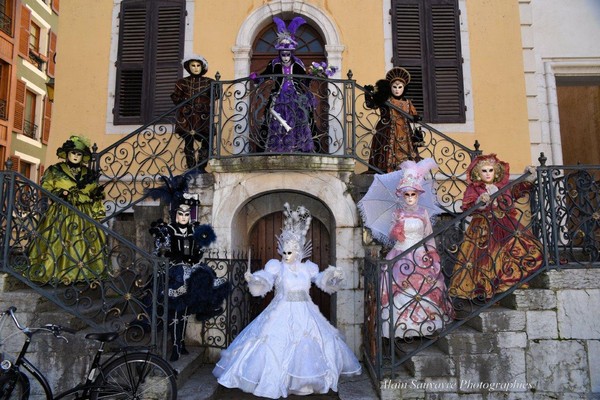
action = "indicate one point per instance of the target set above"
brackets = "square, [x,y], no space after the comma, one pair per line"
[30,114]
[34,40]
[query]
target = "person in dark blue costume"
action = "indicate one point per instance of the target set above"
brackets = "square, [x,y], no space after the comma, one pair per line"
[193,285]
[289,116]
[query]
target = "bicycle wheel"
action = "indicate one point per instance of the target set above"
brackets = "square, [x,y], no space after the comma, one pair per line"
[20,391]
[136,376]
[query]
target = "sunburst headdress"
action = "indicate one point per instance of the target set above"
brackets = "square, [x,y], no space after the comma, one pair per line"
[295,227]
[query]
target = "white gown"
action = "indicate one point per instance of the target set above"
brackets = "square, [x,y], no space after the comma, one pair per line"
[290,348]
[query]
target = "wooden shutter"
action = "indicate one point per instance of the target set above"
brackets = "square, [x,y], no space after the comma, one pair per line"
[409,47]
[24,32]
[130,64]
[445,62]
[15,163]
[427,43]
[55,5]
[19,107]
[51,65]
[169,51]
[146,76]
[47,120]
[41,170]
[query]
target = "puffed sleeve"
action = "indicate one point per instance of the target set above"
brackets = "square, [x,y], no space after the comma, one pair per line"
[261,282]
[330,279]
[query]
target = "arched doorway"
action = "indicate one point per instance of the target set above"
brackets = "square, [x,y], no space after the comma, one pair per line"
[264,247]
[311,48]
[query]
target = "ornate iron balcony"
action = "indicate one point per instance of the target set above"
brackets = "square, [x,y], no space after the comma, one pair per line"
[30,129]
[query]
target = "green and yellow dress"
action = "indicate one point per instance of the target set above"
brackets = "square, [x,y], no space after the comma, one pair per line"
[66,247]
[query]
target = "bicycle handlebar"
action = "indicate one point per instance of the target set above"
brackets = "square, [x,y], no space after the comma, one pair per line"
[56,330]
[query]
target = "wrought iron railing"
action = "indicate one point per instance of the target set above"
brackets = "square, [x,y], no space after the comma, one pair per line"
[483,256]
[5,23]
[334,111]
[30,129]
[104,280]
[3,110]
[569,214]
[240,306]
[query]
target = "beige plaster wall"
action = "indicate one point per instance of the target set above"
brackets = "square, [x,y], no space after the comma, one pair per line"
[501,124]
[81,83]
[496,63]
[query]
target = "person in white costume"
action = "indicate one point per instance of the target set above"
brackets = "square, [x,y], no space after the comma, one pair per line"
[290,348]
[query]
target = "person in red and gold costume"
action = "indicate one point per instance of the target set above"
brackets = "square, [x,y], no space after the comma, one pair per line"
[498,250]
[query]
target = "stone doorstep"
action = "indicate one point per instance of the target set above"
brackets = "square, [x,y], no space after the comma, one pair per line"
[430,362]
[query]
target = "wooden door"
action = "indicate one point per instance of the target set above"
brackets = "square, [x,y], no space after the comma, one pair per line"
[579,114]
[264,247]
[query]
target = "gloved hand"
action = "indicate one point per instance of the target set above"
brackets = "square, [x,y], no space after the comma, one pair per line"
[532,173]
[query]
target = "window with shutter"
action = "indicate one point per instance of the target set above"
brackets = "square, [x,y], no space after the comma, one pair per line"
[19,107]
[15,160]
[55,6]
[47,120]
[6,16]
[149,59]
[24,32]
[51,66]
[427,43]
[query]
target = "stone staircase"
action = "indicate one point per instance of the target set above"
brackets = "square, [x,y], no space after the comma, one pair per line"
[65,364]
[538,343]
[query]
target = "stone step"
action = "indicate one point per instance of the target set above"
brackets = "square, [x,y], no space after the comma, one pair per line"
[187,365]
[576,278]
[9,283]
[504,367]
[26,300]
[430,362]
[530,300]
[467,340]
[498,319]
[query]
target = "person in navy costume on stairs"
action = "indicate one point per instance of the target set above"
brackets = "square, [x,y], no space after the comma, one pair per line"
[193,285]
[193,119]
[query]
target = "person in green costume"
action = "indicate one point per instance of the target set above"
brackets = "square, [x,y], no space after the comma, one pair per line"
[68,248]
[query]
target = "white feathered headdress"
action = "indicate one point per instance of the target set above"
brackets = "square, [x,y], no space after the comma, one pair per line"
[295,227]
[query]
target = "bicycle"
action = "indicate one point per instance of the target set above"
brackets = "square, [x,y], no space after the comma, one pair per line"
[130,373]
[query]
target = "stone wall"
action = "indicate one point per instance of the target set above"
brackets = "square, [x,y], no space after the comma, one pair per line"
[539,343]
